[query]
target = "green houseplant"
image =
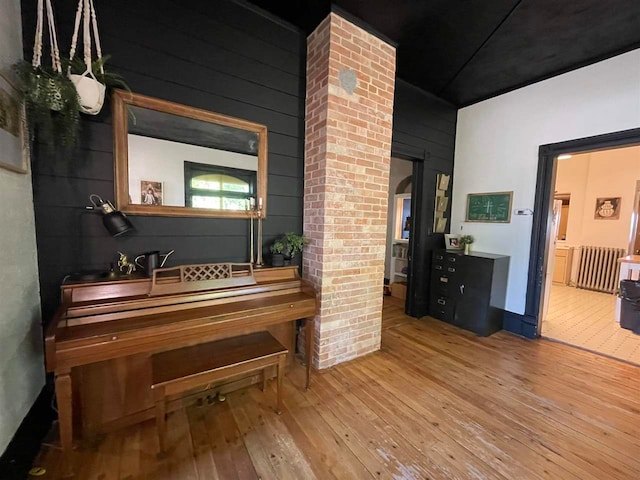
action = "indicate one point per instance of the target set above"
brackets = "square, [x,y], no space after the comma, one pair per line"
[277,257]
[51,104]
[293,245]
[98,67]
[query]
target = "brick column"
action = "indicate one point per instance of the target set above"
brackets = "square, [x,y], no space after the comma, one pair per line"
[349,111]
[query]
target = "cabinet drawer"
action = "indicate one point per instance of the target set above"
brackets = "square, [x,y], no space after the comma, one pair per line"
[452,258]
[441,283]
[442,308]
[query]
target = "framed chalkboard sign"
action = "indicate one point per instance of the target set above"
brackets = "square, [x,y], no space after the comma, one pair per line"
[492,207]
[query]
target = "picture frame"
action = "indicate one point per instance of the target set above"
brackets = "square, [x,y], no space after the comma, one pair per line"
[440,225]
[151,192]
[452,241]
[491,207]
[442,202]
[14,134]
[443,181]
[607,208]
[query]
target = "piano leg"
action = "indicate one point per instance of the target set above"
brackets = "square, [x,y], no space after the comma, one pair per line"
[308,351]
[65,419]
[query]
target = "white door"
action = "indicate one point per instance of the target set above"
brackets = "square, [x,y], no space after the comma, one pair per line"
[551,255]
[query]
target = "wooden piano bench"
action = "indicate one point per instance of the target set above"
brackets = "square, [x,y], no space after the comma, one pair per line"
[183,369]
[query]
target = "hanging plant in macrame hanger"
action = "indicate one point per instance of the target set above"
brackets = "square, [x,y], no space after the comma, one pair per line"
[90,90]
[50,98]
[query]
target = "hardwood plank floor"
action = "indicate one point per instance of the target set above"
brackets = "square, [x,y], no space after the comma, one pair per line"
[435,403]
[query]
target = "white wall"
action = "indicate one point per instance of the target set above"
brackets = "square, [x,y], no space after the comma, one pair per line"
[608,173]
[400,169]
[497,147]
[21,361]
[157,160]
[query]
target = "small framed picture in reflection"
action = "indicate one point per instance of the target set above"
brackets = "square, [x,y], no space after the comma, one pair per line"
[151,192]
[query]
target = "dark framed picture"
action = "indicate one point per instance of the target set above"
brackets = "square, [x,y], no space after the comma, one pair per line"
[151,192]
[607,208]
[14,137]
[493,207]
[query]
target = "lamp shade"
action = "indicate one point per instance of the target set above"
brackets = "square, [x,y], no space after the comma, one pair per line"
[113,220]
[116,223]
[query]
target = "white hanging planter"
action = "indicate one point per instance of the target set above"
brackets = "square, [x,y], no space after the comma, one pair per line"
[91,92]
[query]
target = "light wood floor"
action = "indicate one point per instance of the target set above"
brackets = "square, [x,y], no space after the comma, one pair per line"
[587,319]
[434,403]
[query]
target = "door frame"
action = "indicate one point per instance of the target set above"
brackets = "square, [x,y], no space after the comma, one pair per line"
[540,232]
[635,224]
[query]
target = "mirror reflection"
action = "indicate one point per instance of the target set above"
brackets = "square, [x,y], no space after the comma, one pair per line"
[186,161]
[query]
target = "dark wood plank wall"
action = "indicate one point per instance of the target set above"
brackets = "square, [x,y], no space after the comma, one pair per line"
[424,128]
[221,56]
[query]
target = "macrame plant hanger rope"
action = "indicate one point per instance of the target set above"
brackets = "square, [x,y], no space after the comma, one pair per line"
[90,90]
[36,60]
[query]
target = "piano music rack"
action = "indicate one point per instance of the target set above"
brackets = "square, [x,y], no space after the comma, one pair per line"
[195,278]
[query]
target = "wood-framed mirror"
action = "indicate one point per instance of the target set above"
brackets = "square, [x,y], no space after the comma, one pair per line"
[181,161]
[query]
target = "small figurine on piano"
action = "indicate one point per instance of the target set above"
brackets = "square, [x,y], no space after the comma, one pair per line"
[124,265]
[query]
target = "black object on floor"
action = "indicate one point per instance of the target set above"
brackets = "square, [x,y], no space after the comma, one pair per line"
[630,311]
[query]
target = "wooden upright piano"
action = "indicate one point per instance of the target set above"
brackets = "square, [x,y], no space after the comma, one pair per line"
[100,342]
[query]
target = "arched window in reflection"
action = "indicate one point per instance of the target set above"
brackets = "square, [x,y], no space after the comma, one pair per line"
[222,188]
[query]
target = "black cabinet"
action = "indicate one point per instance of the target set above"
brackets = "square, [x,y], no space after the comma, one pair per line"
[469,291]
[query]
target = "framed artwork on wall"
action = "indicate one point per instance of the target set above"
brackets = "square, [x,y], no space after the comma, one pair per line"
[441,203]
[494,207]
[440,225]
[151,192]
[14,136]
[607,208]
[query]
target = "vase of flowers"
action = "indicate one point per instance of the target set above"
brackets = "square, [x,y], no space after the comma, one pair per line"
[467,240]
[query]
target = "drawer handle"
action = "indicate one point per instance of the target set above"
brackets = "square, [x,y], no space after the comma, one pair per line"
[442,302]
[291,306]
[438,267]
[462,289]
[451,269]
[444,279]
[452,259]
[439,257]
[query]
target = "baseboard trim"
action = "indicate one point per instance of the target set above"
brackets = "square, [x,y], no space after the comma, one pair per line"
[523,325]
[17,459]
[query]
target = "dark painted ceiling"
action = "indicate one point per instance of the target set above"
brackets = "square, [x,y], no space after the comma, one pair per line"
[468,50]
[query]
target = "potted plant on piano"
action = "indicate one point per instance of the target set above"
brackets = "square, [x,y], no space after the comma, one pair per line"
[277,257]
[293,246]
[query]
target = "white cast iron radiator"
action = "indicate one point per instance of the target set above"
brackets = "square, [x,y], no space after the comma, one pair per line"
[599,268]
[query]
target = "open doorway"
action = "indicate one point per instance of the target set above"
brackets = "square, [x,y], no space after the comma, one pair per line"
[399,220]
[593,215]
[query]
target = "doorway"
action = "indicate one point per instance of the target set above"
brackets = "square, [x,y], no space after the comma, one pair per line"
[399,223]
[585,219]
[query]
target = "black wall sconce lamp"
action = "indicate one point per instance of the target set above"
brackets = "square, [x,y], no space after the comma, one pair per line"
[114,220]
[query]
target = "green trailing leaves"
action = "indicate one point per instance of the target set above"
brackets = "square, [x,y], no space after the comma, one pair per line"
[51,104]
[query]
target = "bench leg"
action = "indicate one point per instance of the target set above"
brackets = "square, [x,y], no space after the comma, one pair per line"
[281,367]
[264,379]
[161,422]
